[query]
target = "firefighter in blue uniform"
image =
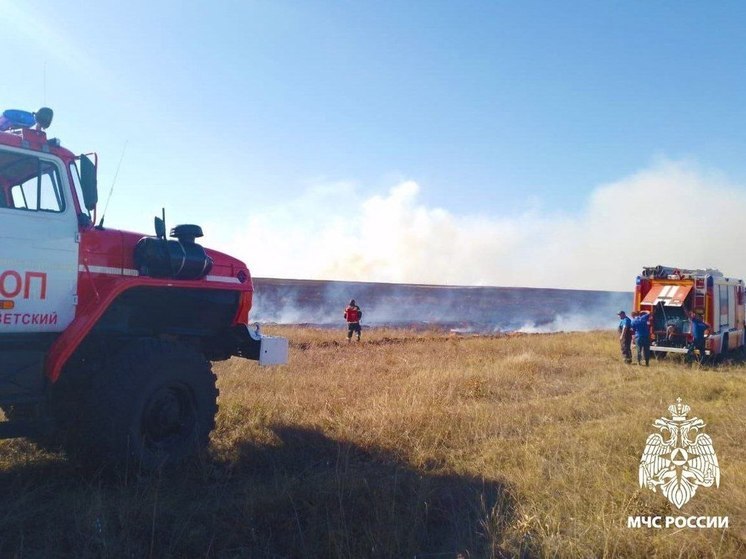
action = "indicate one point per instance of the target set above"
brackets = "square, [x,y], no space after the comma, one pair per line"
[625,336]
[699,327]
[642,336]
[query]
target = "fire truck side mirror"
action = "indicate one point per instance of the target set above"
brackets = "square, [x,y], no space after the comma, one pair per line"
[88,183]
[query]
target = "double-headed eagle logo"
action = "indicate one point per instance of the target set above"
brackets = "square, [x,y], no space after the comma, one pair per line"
[674,462]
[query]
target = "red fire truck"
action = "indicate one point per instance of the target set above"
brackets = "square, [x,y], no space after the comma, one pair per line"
[669,294]
[106,334]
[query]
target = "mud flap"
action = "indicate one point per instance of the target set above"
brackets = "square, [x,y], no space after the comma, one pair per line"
[251,344]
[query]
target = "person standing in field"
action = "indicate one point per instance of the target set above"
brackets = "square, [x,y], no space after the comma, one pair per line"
[352,315]
[642,336]
[699,327]
[625,336]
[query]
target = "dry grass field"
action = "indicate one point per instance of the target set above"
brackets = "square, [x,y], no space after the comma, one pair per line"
[408,444]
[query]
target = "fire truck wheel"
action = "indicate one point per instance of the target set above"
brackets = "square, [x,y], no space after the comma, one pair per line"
[154,406]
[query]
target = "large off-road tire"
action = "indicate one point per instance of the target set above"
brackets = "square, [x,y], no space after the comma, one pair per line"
[154,405]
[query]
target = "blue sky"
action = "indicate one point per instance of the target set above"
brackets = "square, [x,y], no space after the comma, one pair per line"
[345,140]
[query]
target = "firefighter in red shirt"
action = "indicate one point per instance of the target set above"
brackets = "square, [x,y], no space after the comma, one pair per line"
[352,315]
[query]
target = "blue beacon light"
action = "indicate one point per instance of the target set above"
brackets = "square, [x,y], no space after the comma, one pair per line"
[14,119]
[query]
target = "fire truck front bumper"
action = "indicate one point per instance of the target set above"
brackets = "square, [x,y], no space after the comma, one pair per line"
[670,349]
[248,342]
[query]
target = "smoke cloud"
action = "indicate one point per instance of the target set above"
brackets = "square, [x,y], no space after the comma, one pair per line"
[457,309]
[673,213]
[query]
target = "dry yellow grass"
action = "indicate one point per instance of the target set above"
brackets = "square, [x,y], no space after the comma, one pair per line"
[407,444]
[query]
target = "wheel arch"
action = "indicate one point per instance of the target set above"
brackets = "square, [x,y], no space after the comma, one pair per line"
[154,309]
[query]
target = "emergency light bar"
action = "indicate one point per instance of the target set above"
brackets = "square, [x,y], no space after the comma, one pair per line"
[13,119]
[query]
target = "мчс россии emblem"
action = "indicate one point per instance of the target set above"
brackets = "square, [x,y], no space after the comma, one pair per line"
[680,458]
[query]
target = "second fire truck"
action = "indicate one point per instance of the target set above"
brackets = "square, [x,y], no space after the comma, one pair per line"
[669,294]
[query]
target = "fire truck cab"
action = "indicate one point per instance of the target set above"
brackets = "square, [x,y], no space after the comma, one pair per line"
[669,294]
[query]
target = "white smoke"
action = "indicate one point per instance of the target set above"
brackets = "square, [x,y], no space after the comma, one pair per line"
[458,309]
[594,319]
[672,213]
